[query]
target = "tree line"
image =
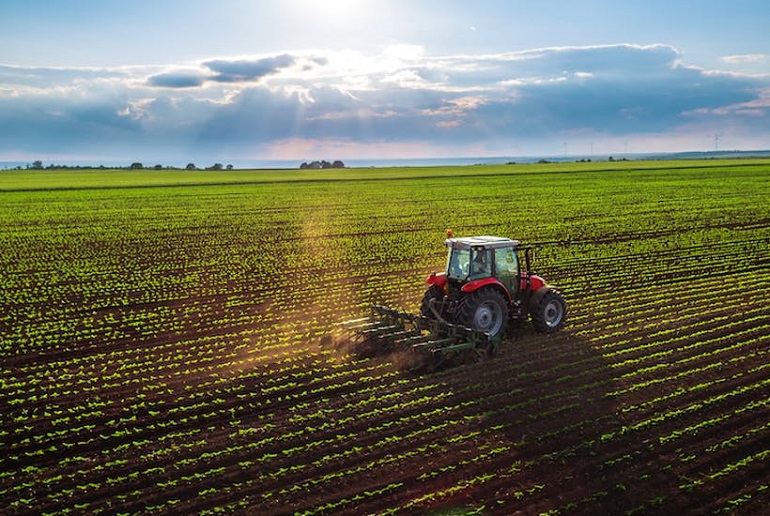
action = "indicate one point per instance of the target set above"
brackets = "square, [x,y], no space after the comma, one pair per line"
[137,165]
[322,164]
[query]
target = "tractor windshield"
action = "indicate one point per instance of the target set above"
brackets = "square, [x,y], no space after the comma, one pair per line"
[465,264]
[458,262]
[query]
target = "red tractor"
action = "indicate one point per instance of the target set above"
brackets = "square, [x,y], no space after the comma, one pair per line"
[485,287]
[467,308]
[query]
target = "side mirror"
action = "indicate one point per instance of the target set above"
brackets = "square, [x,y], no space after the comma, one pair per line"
[529,256]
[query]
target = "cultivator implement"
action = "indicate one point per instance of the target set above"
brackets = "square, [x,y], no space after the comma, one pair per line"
[387,330]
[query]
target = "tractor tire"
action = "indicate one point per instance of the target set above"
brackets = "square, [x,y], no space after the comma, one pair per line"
[486,310]
[434,292]
[549,310]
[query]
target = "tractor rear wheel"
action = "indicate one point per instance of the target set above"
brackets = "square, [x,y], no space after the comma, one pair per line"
[548,311]
[486,310]
[434,295]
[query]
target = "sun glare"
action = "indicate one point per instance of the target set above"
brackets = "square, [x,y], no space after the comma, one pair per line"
[332,10]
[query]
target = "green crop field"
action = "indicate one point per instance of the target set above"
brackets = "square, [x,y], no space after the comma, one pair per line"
[168,342]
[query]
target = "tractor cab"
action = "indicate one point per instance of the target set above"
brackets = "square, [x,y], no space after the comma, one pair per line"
[477,258]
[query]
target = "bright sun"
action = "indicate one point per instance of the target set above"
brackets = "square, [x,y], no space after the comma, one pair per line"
[333,9]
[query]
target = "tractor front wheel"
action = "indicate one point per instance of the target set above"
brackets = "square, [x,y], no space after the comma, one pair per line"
[549,309]
[486,310]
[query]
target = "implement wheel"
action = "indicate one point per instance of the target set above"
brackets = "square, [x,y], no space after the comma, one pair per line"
[484,352]
[486,310]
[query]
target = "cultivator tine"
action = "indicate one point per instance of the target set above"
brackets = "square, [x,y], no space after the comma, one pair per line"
[433,345]
[354,322]
[399,337]
[382,330]
[417,339]
[359,325]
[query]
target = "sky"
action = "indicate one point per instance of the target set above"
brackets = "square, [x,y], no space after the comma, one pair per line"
[243,81]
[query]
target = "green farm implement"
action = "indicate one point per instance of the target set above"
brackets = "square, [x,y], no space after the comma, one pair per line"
[388,329]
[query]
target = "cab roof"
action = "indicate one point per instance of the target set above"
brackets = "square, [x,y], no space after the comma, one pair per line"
[484,242]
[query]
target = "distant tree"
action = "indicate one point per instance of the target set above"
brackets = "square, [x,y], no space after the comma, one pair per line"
[229,167]
[323,164]
[215,166]
[191,166]
[136,165]
[158,167]
[37,165]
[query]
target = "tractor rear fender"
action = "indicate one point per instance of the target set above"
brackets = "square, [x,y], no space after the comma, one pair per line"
[473,286]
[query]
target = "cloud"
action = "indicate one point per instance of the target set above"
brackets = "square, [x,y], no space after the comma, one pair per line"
[744,58]
[243,70]
[497,103]
[177,79]
[49,78]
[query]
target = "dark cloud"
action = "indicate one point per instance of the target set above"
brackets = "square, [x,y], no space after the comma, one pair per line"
[616,103]
[244,70]
[601,60]
[232,71]
[176,80]
[48,125]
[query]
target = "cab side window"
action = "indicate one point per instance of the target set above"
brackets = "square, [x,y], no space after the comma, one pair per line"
[507,268]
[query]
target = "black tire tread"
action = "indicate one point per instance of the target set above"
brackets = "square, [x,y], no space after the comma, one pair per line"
[537,311]
[478,297]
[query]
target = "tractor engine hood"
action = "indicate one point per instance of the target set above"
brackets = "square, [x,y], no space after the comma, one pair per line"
[535,281]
